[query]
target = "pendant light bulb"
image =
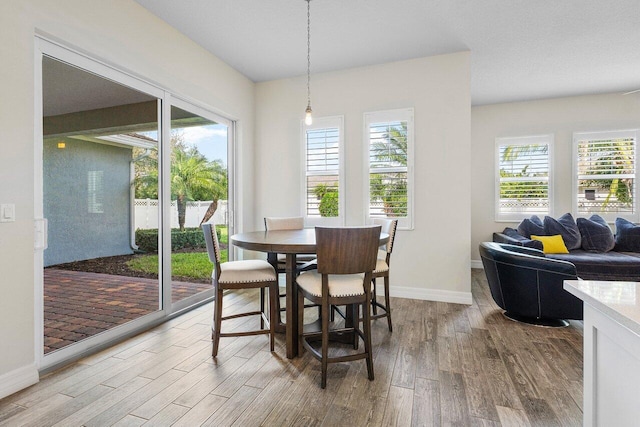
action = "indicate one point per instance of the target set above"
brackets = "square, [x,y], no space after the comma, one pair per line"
[308,120]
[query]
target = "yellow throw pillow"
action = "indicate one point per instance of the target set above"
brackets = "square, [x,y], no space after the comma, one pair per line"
[552,244]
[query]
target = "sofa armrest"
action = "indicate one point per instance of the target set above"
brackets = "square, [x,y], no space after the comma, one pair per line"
[511,237]
[503,238]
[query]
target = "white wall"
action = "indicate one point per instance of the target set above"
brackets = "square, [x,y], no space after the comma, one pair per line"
[119,32]
[559,117]
[431,261]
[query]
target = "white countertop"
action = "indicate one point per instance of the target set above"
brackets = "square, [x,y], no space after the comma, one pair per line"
[618,300]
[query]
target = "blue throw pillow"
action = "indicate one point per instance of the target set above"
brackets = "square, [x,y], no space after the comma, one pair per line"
[627,236]
[566,227]
[530,226]
[596,234]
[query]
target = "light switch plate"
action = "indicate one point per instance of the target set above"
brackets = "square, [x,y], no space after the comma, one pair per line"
[7,212]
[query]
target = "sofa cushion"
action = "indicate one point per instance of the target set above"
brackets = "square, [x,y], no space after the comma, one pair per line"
[551,244]
[624,266]
[566,227]
[596,234]
[513,233]
[627,236]
[530,226]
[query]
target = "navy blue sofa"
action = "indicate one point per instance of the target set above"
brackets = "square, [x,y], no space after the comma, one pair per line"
[612,265]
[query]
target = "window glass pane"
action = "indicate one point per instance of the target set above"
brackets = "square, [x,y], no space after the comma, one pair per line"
[322,172]
[523,174]
[92,164]
[388,169]
[606,170]
[199,194]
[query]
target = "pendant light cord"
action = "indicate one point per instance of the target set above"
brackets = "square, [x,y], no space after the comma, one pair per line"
[308,53]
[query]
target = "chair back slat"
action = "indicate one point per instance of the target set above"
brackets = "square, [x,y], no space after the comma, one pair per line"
[389,226]
[213,246]
[283,223]
[347,250]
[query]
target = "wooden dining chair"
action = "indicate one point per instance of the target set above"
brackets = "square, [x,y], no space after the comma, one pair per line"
[247,274]
[286,223]
[346,259]
[389,226]
[304,262]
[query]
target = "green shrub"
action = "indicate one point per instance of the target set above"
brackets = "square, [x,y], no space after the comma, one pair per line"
[192,238]
[328,196]
[329,204]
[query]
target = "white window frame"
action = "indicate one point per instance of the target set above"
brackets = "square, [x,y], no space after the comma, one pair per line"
[614,134]
[547,139]
[324,123]
[406,115]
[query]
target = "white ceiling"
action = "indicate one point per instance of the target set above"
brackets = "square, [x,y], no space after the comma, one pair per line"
[520,50]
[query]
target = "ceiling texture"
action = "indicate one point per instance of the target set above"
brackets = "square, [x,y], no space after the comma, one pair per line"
[520,50]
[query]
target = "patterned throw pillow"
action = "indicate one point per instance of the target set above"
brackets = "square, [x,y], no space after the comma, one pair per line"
[627,236]
[596,234]
[530,226]
[566,227]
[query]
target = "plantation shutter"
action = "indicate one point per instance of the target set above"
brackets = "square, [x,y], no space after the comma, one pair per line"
[523,177]
[388,169]
[606,173]
[322,172]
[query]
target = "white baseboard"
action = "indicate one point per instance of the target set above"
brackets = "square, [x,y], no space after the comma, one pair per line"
[431,295]
[476,263]
[18,379]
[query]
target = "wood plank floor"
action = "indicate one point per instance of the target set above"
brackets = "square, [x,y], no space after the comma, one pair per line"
[444,364]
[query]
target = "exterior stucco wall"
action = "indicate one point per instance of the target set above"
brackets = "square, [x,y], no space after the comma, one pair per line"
[78,228]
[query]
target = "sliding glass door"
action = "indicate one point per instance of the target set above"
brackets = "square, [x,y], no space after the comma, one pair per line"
[93,143]
[119,203]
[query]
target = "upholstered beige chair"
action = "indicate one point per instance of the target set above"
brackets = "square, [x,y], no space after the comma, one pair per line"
[246,274]
[346,259]
[389,226]
[287,223]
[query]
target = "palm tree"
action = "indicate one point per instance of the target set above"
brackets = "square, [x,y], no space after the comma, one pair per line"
[191,173]
[219,189]
[193,177]
[390,187]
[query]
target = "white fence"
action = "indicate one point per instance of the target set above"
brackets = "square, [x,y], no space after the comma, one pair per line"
[146,213]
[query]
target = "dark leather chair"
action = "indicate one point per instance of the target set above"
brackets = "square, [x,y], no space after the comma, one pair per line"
[528,286]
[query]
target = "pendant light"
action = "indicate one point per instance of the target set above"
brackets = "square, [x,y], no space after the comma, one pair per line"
[308,120]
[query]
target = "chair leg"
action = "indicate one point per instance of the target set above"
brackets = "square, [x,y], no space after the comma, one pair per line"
[273,296]
[325,342]
[300,322]
[366,328]
[261,307]
[217,320]
[373,296]
[386,302]
[355,313]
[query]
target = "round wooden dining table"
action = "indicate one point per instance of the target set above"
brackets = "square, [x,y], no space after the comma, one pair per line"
[290,243]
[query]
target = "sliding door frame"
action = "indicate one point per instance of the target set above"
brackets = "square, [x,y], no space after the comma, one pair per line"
[44,46]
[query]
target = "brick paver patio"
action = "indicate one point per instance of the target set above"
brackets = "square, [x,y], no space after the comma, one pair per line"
[78,304]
